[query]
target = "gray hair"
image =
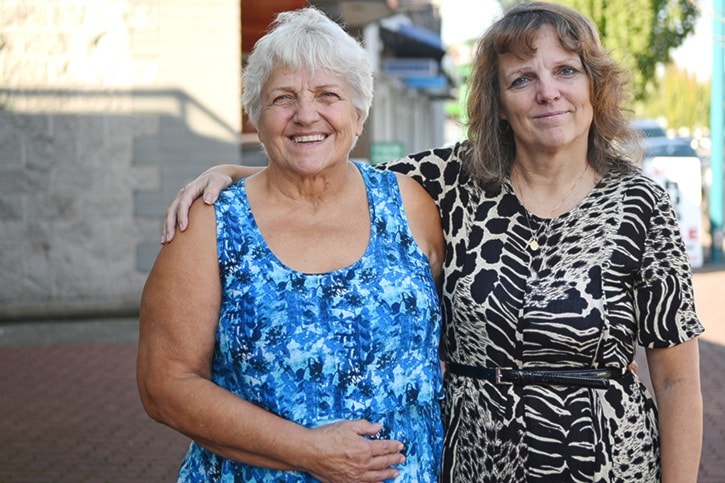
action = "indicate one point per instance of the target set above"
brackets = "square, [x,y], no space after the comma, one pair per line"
[306,38]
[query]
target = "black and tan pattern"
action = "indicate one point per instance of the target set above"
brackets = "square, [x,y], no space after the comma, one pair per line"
[610,274]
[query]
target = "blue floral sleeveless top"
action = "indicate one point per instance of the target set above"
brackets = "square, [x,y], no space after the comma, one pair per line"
[359,342]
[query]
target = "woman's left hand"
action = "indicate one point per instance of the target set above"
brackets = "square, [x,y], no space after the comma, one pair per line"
[341,452]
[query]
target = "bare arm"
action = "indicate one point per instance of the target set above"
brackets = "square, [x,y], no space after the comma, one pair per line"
[209,183]
[179,313]
[425,222]
[675,374]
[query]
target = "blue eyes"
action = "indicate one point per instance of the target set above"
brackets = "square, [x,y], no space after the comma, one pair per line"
[565,72]
[519,81]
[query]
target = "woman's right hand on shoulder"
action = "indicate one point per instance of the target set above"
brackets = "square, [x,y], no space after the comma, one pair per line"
[209,184]
[345,454]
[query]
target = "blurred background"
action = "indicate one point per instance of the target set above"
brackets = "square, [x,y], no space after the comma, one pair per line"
[107,107]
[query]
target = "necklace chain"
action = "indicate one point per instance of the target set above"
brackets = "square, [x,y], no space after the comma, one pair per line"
[533,242]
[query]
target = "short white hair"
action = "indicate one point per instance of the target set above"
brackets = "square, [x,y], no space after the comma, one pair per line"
[307,38]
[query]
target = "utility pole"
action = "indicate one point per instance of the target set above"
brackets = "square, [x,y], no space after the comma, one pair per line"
[717,131]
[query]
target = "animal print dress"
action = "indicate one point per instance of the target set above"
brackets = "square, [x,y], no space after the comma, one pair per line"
[610,274]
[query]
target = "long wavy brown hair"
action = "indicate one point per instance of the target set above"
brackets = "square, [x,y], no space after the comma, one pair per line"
[613,144]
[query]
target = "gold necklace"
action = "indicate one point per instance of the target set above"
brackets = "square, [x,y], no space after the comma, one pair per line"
[533,242]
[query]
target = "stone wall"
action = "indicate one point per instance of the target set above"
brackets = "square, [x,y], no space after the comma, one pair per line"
[106,108]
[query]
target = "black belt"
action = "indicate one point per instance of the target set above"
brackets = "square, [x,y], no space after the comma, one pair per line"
[596,378]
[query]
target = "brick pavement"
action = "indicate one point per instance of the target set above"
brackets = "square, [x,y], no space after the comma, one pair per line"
[70,411]
[710,304]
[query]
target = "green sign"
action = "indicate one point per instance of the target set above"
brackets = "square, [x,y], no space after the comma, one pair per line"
[381,152]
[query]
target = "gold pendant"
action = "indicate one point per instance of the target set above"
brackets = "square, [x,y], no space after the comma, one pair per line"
[533,244]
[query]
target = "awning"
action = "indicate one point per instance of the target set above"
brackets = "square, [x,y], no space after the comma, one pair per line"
[408,40]
[355,12]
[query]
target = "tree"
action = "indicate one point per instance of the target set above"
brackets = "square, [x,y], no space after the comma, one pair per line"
[680,99]
[638,33]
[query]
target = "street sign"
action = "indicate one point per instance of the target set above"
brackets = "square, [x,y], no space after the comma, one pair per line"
[383,151]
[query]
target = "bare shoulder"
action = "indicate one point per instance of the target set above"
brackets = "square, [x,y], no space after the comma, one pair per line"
[201,229]
[416,201]
[424,220]
[413,192]
[191,255]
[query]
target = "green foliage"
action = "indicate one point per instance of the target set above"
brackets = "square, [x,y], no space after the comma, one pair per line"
[640,33]
[680,99]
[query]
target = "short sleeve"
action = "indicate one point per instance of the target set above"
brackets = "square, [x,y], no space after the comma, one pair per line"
[664,297]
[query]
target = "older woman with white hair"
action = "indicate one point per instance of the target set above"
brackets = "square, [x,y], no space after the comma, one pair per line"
[292,332]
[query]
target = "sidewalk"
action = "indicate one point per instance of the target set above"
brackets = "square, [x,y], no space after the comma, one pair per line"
[710,304]
[71,413]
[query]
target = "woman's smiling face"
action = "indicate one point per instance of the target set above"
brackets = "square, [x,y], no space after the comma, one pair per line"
[546,98]
[308,119]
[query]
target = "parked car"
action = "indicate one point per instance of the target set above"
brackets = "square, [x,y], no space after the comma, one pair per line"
[650,128]
[663,146]
[674,164]
[682,148]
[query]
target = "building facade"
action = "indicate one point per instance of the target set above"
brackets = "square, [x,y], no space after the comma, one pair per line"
[107,107]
